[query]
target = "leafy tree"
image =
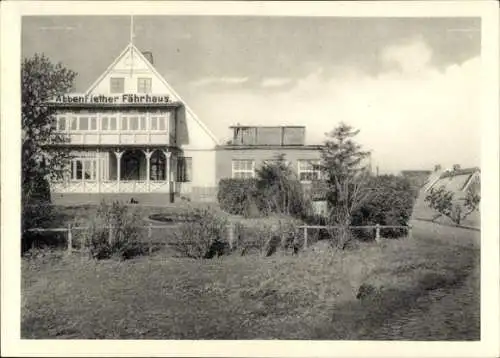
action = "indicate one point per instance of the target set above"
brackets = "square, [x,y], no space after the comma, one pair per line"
[346,177]
[443,202]
[41,81]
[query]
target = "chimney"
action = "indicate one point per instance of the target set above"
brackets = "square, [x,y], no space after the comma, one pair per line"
[149,56]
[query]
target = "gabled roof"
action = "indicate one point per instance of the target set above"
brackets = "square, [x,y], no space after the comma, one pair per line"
[456,181]
[457,172]
[136,52]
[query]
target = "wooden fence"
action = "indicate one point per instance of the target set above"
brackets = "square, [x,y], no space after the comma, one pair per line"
[230,231]
[376,227]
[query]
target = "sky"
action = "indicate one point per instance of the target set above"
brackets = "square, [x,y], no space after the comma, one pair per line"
[410,85]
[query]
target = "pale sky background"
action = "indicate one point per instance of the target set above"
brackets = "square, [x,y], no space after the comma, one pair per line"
[412,86]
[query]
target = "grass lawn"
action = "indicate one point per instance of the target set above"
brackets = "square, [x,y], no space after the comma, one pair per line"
[423,289]
[82,214]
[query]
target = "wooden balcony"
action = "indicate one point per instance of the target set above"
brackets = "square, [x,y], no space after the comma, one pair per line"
[117,128]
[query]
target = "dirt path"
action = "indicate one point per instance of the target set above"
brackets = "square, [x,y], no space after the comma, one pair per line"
[444,314]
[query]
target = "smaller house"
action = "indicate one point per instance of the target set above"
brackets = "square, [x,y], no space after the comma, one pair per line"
[417,178]
[456,180]
[252,146]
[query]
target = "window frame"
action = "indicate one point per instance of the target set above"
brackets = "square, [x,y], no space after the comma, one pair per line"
[235,171]
[158,161]
[111,89]
[62,119]
[158,119]
[74,123]
[140,119]
[301,170]
[85,164]
[183,175]
[148,80]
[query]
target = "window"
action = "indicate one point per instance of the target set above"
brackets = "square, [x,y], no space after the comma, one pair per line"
[77,167]
[74,123]
[80,123]
[89,169]
[308,170]
[143,124]
[144,85]
[84,123]
[93,123]
[112,123]
[124,123]
[243,168]
[157,166]
[134,123]
[161,121]
[104,123]
[117,85]
[130,123]
[108,123]
[184,169]
[61,123]
[158,123]
[84,169]
[154,123]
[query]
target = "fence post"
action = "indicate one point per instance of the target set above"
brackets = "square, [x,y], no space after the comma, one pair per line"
[377,233]
[305,236]
[150,238]
[110,235]
[70,239]
[230,235]
[410,234]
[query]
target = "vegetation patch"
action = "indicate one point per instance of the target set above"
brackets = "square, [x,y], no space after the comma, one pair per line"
[309,296]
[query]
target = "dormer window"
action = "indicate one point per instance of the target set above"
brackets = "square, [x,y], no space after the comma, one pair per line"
[144,85]
[117,85]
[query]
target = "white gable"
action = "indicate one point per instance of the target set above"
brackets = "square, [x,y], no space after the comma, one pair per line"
[131,66]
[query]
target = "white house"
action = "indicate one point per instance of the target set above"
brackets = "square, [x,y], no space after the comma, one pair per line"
[132,136]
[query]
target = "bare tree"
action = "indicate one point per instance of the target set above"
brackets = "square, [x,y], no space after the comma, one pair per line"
[346,174]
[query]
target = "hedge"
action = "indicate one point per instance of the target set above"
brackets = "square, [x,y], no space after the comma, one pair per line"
[392,204]
[239,196]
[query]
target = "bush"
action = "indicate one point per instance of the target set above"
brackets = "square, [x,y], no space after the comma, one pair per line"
[266,236]
[239,197]
[390,204]
[276,190]
[204,237]
[114,232]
